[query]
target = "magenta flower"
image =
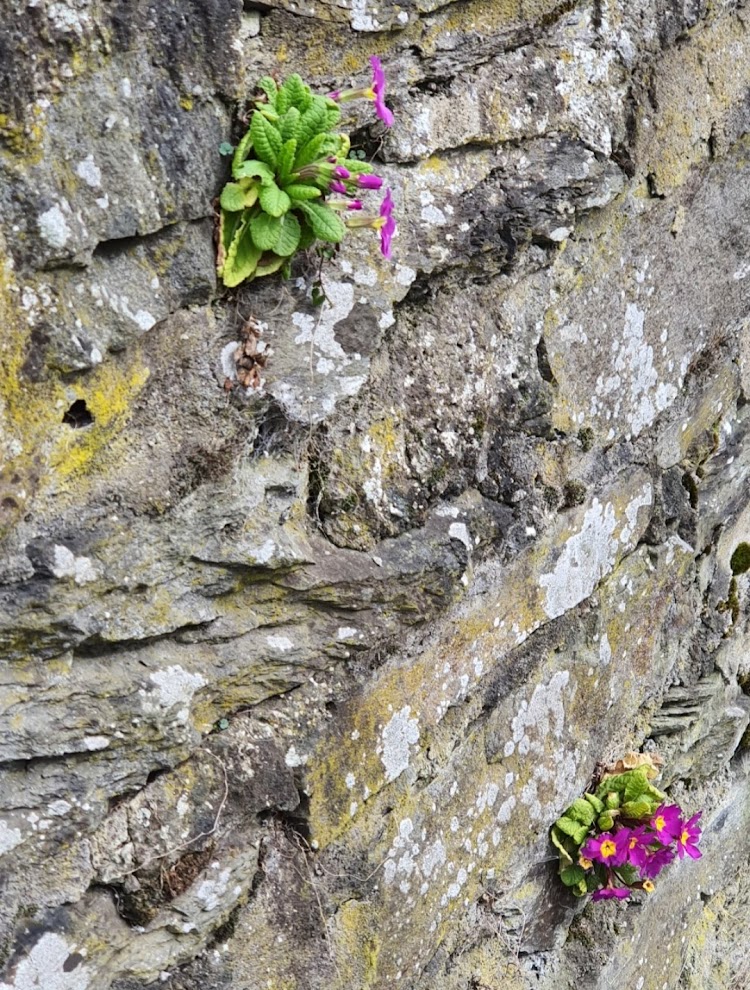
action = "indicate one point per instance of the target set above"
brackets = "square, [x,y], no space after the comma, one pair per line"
[345,204]
[384,222]
[388,229]
[378,87]
[341,173]
[338,186]
[655,862]
[607,893]
[667,822]
[369,181]
[376,92]
[688,838]
[638,841]
[612,850]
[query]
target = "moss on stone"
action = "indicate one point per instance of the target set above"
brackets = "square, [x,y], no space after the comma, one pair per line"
[740,560]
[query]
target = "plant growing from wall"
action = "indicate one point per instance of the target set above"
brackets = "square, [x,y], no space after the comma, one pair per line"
[619,838]
[293,183]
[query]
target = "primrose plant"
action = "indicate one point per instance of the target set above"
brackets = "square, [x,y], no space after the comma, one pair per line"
[294,182]
[618,839]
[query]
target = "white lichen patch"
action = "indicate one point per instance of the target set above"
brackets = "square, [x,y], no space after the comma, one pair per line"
[295,759]
[281,643]
[121,305]
[52,964]
[67,565]
[94,743]
[64,17]
[460,532]
[319,330]
[400,733]
[586,558]
[53,226]
[89,171]
[175,689]
[263,553]
[9,837]
[542,714]
[361,19]
[590,554]
[633,380]
[211,890]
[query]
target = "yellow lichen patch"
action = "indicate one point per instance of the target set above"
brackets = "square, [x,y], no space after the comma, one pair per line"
[487,16]
[356,945]
[24,139]
[696,87]
[38,448]
[109,393]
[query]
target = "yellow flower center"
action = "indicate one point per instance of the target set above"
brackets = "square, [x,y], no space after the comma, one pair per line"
[608,848]
[633,843]
[585,863]
[659,823]
[648,886]
[684,838]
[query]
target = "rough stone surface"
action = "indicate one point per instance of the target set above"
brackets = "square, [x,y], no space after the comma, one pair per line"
[295,679]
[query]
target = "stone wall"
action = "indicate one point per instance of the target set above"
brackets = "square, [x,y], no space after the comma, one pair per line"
[296,678]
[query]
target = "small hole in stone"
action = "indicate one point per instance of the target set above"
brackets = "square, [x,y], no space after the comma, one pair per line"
[78,415]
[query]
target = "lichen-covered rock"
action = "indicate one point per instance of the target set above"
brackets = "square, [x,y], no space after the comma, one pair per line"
[296,675]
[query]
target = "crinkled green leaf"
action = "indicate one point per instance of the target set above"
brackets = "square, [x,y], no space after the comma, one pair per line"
[232,198]
[636,786]
[642,808]
[297,92]
[595,803]
[612,800]
[265,231]
[313,121]
[359,167]
[289,124]
[266,139]
[302,191]
[326,225]
[320,147]
[241,151]
[581,811]
[289,235]
[269,87]
[574,829]
[242,257]
[286,160]
[252,168]
[333,114]
[274,200]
